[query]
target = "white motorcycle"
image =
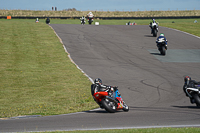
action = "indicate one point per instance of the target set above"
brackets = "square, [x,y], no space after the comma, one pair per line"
[154,28]
[192,90]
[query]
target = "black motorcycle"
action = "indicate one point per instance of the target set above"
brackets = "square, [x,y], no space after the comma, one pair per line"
[162,46]
[90,20]
[192,90]
[83,21]
[48,21]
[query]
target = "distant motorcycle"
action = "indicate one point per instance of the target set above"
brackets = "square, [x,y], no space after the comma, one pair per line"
[154,28]
[162,46]
[110,103]
[192,90]
[83,21]
[48,21]
[90,20]
[90,17]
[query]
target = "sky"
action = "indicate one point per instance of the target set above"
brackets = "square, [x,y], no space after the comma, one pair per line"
[102,5]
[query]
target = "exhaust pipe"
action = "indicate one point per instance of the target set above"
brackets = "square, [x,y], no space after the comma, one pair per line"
[111,99]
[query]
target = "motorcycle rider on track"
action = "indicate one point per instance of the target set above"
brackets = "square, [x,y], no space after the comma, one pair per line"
[98,86]
[191,84]
[150,24]
[82,18]
[90,15]
[161,38]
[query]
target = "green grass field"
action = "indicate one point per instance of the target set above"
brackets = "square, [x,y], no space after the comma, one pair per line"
[37,77]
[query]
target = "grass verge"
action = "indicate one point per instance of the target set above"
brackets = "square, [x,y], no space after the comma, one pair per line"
[36,75]
[148,130]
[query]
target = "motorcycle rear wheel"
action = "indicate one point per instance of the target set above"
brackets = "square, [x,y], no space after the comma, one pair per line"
[109,105]
[154,33]
[163,51]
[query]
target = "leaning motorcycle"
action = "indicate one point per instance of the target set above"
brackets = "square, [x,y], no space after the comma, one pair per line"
[162,46]
[109,102]
[192,91]
[154,28]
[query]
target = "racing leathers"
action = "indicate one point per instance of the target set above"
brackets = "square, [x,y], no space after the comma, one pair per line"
[112,91]
[82,19]
[150,24]
[106,88]
[190,84]
[161,39]
[90,15]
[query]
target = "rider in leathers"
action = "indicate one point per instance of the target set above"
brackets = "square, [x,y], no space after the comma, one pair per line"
[90,15]
[160,38]
[150,24]
[82,18]
[189,83]
[98,86]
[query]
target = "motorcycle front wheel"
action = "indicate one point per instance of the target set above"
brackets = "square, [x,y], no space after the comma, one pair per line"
[196,98]
[109,105]
[125,108]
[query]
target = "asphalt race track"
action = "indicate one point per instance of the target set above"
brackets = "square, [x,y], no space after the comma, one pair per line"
[127,56]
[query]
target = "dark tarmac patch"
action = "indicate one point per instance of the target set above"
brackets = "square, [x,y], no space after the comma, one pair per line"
[177,55]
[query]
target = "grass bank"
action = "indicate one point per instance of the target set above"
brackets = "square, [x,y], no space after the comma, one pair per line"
[40,13]
[36,75]
[148,130]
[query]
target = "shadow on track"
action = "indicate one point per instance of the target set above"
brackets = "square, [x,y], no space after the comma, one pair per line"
[149,36]
[156,54]
[187,107]
[102,111]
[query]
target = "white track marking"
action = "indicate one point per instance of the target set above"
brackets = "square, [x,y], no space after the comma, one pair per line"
[70,56]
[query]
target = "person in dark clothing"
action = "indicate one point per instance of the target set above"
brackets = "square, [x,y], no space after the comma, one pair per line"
[47,20]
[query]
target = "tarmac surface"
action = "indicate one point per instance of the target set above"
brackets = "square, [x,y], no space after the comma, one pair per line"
[127,57]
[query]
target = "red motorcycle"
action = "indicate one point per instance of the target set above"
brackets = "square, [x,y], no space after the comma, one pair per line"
[111,103]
